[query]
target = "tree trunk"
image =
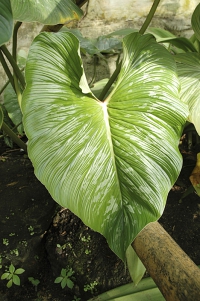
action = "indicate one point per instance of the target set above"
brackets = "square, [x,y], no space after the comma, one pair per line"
[175,274]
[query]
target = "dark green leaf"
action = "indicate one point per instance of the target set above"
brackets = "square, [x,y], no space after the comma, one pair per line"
[46,12]
[19,271]
[196,21]
[16,280]
[9,284]
[58,279]
[6,21]
[70,284]
[64,282]
[11,268]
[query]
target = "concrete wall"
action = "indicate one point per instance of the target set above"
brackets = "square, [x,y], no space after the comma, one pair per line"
[104,16]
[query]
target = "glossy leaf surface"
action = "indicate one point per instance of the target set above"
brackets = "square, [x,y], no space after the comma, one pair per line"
[196,21]
[112,163]
[188,66]
[6,21]
[46,12]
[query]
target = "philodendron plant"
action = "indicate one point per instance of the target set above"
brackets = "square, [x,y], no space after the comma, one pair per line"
[113,161]
[15,12]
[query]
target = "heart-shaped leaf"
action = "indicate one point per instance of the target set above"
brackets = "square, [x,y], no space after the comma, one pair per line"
[46,12]
[188,66]
[112,163]
[6,21]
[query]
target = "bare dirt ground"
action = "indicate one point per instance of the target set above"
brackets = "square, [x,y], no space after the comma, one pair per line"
[65,242]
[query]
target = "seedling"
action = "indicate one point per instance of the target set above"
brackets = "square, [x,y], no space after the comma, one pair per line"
[12,234]
[34,282]
[64,278]
[5,241]
[86,239]
[12,275]
[31,230]
[24,243]
[90,287]
[14,252]
[87,251]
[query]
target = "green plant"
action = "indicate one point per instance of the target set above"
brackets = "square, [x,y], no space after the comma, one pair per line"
[86,239]
[12,275]
[115,153]
[5,241]
[66,278]
[34,282]
[12,234]
[14,252]
[55,13]
[126,144]
[31,230]
[91,286]
[87,251]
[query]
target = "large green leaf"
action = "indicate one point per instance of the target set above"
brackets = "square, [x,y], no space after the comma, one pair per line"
[188,66]
[45,11]
[6,21]
[12,106]
[164,36]
[112,163]
[196,21]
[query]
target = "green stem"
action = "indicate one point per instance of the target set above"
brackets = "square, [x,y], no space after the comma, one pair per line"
[14,66]
[6,69]
[14,137]
[14,54]
[141,31]
[149,17]
[14,44]
[110,82]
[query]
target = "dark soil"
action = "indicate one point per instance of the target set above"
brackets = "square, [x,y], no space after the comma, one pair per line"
[68,243]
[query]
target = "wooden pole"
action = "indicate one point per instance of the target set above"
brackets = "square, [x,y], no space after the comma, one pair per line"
[175,274]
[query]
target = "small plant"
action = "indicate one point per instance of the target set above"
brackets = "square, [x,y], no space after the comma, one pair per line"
[24,243]
[64,278]
[90,287]
[86,239]
[31,230]
[5,241]
[87,251]
[14,252]
[12,275]
[34,282]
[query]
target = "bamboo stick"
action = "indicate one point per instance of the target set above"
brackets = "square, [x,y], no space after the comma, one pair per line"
[175,274]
